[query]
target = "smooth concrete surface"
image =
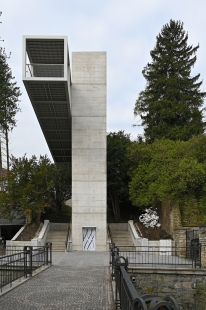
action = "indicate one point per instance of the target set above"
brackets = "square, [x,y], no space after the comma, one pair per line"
[58,226]
[119,226]
[89,146]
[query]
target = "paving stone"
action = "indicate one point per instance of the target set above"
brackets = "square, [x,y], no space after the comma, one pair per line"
[75,281]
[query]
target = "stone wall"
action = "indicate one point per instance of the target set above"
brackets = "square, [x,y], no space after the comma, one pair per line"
[176,283]
[179,237]
[170,217]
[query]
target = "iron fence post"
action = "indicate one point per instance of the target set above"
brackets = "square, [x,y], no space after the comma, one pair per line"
[25,261]
[48,253]
[47,248]
[50,247]
[30,259]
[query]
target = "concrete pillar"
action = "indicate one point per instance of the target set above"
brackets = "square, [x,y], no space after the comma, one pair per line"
[88,146]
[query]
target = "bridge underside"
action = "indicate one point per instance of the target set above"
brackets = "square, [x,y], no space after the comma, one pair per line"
[46,81]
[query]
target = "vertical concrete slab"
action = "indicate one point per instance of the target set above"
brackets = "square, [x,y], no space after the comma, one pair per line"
[89,146]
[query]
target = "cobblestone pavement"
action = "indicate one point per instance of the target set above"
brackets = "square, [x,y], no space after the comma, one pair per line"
[76,281]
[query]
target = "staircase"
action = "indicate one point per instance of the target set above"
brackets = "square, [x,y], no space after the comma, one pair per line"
[121,236]
[57,238]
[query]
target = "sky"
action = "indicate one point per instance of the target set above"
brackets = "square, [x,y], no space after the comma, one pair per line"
[126,30]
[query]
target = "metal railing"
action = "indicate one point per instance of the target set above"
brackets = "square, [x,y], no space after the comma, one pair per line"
[192,236]
[68,242]
[45,70]
[22,261]
[126,296]
[109,233]
[153,256]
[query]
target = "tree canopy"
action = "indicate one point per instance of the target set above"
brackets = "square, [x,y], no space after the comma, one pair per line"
[32,185]
[171,105]
[169,171]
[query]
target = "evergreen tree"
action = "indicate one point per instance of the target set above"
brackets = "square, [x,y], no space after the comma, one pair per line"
[171,104]
[117,168]
[9,98]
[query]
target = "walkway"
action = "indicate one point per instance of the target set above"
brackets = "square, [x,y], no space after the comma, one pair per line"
[76,281]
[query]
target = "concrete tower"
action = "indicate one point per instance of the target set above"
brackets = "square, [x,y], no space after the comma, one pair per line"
[89,150]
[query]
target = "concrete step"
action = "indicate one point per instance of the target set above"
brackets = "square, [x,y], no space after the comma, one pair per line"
[122,238]
[57,238]
[122,235]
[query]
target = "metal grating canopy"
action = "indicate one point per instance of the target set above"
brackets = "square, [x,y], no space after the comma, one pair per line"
[47,91]
[47,51]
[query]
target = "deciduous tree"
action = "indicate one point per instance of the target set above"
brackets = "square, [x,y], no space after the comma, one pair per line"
[27,187]
[61,188]
[171,172]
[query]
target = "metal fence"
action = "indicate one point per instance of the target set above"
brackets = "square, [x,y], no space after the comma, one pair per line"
[151,256]
[126,296]
[192,238]
[45,70]
[22,261]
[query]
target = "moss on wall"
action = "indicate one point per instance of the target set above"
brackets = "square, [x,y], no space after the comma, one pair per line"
[191,214]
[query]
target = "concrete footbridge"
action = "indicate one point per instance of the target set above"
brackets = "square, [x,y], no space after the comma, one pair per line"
[70,106]
[47,78]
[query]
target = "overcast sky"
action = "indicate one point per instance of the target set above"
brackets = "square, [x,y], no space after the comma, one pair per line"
[126,30]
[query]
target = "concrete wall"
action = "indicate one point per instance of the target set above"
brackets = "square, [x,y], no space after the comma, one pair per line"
[119,226]
[89,146]
[58,226]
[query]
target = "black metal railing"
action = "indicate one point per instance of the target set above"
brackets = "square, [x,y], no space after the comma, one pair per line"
[126,296]
[22,261]
[151,256]
[192,236]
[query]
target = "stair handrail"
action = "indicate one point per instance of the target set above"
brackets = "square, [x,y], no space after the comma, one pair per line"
[109,234]
[137,229]
[68,239]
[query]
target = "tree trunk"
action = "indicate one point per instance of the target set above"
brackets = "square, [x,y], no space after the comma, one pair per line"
[28,218]
[7,148]
[115,204]
[1,171]
[38,217]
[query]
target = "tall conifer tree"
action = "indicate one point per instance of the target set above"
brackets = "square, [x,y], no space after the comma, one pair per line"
[171,104]
[9,98]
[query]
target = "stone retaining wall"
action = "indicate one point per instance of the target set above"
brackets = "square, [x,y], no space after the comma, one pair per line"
[176,283]
[170,217]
